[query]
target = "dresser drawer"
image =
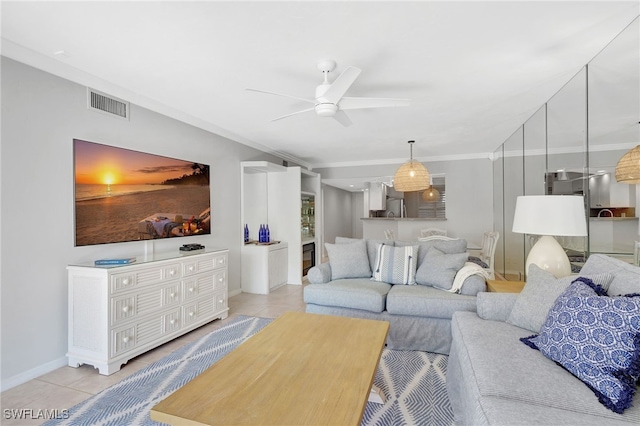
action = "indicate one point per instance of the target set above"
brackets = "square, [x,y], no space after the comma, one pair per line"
[197,265]
[220,280]
[198,310]
[143,277]
[221,301]
[128,338]
[126,307]
[220,260]
[198,285]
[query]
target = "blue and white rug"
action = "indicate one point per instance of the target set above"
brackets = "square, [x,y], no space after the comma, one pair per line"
[413,383]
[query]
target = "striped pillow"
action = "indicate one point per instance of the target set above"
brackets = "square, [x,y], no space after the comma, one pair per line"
[396,265]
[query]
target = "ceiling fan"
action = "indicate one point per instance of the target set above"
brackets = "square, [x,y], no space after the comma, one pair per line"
[330,100]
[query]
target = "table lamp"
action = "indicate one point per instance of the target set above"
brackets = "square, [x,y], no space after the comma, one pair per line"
[549,215]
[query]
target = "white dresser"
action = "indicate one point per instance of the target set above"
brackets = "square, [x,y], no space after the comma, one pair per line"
[117,313]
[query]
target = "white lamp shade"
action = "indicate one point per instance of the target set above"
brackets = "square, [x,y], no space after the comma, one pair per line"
[562,215]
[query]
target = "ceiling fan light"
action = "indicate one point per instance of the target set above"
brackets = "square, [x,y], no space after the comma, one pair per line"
[326,110]
[628,168]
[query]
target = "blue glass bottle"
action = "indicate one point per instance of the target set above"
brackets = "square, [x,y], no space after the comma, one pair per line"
[267,234]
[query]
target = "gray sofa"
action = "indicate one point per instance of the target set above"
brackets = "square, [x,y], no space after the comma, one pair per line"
[419,315]
[493,378]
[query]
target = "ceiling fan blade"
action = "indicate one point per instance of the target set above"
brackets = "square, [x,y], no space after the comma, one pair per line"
[343,118]
[280,94]
[293,113]
[340,86]
[358,103]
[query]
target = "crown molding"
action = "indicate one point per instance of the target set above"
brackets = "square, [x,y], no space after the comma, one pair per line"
[456,157]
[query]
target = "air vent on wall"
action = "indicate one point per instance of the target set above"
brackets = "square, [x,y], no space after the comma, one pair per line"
[107,104]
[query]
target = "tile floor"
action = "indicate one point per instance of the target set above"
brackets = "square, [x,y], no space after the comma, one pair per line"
[67,386]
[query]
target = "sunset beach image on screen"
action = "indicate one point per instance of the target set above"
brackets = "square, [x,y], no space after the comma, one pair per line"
[125,195]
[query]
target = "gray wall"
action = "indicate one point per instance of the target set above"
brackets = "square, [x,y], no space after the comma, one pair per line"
[41,114]
[469,185]
[337,214]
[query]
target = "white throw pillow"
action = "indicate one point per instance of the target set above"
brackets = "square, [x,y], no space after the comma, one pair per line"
[396,265]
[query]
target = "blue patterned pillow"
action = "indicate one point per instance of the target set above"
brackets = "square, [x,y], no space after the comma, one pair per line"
[396,265]
[596,338]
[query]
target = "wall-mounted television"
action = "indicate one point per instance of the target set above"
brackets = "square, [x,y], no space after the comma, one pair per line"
[124,195]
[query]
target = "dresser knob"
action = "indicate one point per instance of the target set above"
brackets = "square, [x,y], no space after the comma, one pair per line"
[173,295]
[191,289]
[125,339]
[191,313]
[172,272]
[125,309]
[191,268]
[172,322]
[125,281]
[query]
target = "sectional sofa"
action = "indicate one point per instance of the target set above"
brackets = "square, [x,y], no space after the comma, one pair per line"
[580,368]
[352,284]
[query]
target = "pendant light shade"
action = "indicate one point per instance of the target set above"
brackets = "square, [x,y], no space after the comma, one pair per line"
[628,168]
[411,176]
[431,195]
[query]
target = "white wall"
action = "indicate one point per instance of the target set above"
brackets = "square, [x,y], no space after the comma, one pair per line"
[41,114]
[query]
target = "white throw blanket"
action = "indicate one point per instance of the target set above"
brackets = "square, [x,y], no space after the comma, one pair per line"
[466,271]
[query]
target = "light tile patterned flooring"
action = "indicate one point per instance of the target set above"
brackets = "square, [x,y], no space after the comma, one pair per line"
[67,386]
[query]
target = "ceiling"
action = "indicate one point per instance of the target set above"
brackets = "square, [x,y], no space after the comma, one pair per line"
[474,71]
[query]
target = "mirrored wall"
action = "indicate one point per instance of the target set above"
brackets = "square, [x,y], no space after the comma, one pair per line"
[571,146]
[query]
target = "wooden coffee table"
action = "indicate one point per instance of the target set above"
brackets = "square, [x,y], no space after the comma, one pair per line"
[300,369]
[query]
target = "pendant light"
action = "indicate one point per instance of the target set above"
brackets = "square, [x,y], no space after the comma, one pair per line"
[628,168]
[411,176]
[431,195]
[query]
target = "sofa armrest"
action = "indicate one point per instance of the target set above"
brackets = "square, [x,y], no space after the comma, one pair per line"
[495,306]
[473,285]
[319,274]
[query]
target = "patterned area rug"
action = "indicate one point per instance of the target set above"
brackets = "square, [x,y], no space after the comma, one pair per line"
[413,383]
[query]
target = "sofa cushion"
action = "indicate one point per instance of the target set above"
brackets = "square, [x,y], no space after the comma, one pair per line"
[597,338]
[626,277]
[445,246]
[427,301]
[439,269]
[540,292]
[358,293]
[372,246]
[498,365]
[348,260]
[395,265]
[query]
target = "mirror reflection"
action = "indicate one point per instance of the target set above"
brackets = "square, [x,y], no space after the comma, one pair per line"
[571,146]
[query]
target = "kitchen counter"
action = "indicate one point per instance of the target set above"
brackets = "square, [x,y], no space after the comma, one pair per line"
[612,234]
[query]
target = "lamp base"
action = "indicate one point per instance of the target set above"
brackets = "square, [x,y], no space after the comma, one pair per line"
[549,255]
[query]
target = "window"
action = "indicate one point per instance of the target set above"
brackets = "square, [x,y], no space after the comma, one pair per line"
[434,209]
